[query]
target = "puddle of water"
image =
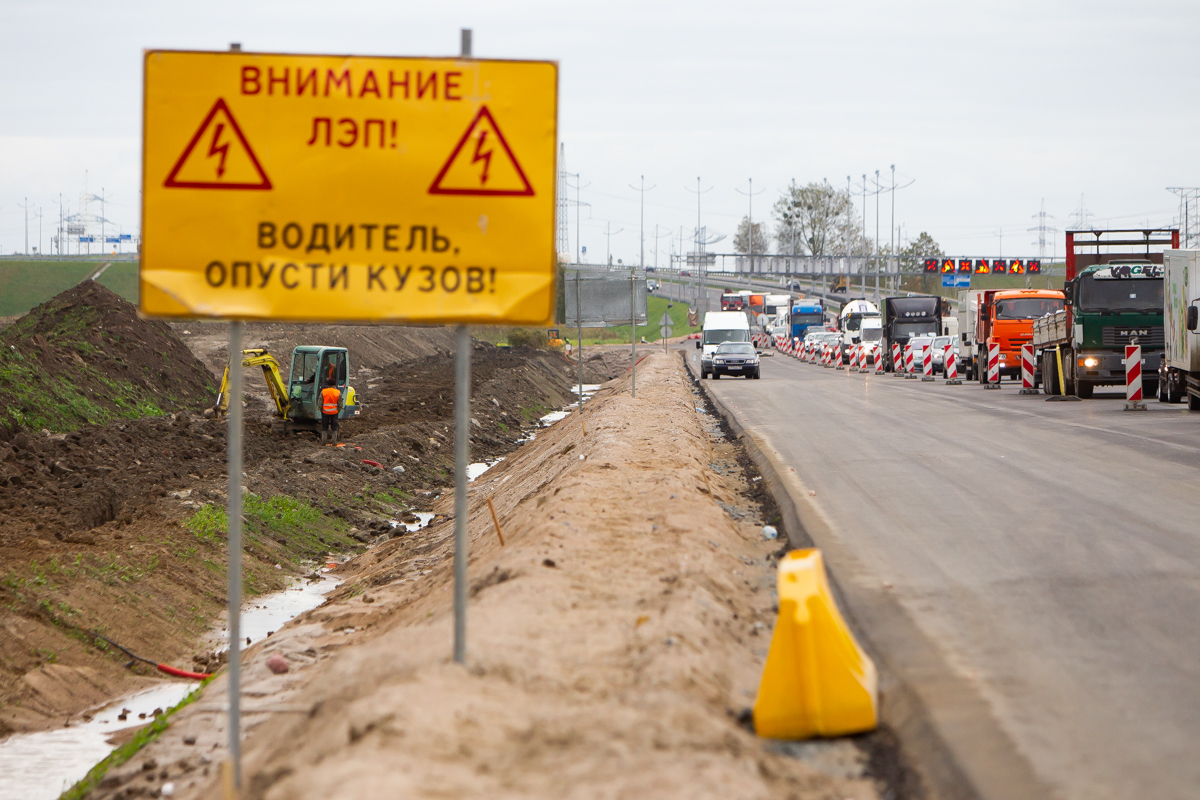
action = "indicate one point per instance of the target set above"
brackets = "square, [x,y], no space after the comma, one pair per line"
[269,613]
[589,389]
[41,766]
[423,519]
[552,417]
[478,468]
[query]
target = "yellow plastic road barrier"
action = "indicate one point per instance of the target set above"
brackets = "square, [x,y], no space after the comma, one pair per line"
[817,680]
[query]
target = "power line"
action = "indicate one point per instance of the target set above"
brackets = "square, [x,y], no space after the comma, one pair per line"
[1188,220]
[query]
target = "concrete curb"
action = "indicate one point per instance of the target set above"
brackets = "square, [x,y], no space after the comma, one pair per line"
[922,699]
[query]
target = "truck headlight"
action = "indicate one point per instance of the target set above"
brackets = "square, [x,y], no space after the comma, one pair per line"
[1091,361]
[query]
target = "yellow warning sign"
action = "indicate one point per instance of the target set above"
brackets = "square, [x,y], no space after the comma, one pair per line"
[333,188]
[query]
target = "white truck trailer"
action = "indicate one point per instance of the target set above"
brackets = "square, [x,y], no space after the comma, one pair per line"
[1179,372]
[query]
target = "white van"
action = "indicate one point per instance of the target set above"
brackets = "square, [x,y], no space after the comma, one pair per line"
[720,326]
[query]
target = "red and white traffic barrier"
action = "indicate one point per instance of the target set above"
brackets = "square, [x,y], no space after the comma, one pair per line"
[950,366]
[909,372]
[862,358]
[1027,370]
[926,363]
[879,360]
[825,356]
[839,356]
[897,360]
[856,358]
[1133,378]
[993,366]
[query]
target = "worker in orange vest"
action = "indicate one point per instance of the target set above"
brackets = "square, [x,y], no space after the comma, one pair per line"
[330,401]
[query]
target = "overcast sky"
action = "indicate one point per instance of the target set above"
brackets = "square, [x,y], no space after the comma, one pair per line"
[987,108]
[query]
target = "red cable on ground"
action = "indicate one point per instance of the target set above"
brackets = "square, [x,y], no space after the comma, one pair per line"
[166,668]
[640,360]
[182,673]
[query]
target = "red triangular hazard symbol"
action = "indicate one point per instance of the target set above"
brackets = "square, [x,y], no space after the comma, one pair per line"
[482,163]
[218,157]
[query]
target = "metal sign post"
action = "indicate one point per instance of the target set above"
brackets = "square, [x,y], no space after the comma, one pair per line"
[462,454]
[233,513]
[579,335]
[633,332]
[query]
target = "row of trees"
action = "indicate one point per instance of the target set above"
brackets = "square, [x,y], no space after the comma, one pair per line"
[819,220]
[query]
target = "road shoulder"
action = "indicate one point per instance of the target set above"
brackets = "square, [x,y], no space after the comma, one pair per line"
[945,729]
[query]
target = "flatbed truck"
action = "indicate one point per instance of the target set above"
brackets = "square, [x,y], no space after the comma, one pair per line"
[1114,297]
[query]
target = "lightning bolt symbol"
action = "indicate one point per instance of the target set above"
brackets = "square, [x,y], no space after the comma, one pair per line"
[222,151]
[483,155]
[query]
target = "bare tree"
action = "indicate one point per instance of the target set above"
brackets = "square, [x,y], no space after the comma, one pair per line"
[816,220]
[741,240]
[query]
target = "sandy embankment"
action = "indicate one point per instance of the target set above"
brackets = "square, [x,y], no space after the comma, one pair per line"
[612,642]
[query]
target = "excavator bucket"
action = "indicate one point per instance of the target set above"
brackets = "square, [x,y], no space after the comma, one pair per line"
[817,680]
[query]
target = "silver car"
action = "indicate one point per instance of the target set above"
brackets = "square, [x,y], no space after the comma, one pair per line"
[939,353]
[918,345]
[735,358]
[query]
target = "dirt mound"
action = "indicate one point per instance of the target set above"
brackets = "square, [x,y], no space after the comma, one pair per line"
[84,357]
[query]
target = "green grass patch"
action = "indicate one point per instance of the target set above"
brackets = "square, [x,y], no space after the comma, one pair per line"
[301,529]
[25,283]
[655,307]
[208,524]
[128,750]
[122,278]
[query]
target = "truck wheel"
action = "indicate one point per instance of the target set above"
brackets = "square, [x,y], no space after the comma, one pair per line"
[1174,391]
[1083,389]
[1050,373]
[1193,402]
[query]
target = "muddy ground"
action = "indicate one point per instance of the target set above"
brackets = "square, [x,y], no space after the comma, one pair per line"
[119,527]
[615,641]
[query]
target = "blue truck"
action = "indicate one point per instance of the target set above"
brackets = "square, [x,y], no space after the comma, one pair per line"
[806,314]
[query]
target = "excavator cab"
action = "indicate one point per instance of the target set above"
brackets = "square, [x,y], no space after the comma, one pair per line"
[296,401]
[314,367]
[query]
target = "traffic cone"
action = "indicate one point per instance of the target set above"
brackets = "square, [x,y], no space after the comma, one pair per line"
[817,680]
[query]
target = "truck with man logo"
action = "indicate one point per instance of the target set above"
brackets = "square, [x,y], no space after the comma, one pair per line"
[1114,297]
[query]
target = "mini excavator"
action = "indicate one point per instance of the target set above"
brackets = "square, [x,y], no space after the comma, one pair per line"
[297,401]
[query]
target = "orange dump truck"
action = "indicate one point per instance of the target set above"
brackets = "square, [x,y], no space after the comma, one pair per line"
[1005,317]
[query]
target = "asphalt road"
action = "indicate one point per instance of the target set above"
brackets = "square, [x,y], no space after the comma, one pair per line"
[1049,551]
